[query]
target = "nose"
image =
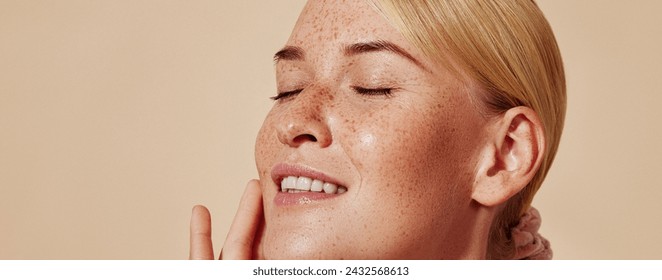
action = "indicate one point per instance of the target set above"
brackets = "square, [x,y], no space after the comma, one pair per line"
[304,120]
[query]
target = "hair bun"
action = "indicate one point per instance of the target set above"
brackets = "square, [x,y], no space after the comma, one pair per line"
[529,244]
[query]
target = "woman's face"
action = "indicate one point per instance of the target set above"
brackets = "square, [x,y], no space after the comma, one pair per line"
[361,108]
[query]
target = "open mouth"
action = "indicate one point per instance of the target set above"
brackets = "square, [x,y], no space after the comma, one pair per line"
[299,184]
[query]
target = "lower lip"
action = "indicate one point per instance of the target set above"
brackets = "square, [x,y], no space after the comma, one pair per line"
[302,198]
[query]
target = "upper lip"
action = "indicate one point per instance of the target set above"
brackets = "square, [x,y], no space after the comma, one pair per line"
[282,170]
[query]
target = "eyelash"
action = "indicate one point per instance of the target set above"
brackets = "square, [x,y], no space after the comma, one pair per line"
[285,94]
[387,92]
[374,91]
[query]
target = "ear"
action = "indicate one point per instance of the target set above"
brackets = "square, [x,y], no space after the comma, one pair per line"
[511,156]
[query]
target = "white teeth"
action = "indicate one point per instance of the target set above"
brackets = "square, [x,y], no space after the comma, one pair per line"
[294,184]
[330,188]
[291,182]
[303,183]
[317,186]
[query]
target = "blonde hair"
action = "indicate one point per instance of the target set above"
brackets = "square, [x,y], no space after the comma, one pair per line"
[507,47]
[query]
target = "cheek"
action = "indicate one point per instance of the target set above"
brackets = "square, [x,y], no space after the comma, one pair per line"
[420,146]
[416,172]
[266,144]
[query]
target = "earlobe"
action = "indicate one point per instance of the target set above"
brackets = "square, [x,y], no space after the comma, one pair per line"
[511,156]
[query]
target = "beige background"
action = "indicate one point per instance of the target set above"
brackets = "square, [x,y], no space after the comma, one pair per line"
[117,116]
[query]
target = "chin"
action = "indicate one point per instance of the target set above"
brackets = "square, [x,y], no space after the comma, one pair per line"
[318,245]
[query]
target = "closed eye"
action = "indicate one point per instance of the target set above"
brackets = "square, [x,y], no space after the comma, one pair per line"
[374,91]
[286,94]
[360,90]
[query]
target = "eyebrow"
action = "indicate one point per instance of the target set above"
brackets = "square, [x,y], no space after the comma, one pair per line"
[378,46]
[289,53]
[297,53]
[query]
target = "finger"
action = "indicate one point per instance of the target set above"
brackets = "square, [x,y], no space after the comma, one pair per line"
[239,242]
[201,247]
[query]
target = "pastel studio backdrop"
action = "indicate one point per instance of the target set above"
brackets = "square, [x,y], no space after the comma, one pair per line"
[116,117]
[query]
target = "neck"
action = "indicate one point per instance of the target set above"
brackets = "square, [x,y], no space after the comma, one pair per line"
[477,232]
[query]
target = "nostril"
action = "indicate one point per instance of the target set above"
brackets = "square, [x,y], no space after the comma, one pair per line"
[304,138]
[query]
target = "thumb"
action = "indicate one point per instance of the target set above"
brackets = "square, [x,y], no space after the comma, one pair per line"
[240,239]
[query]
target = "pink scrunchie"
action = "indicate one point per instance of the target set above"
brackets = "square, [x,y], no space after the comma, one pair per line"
[529,244]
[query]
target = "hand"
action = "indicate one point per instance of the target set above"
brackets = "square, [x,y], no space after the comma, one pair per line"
[240,240]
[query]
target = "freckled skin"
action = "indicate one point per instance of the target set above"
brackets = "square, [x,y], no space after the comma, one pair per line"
[408,159]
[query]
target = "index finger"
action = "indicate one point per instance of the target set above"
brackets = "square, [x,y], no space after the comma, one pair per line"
[200,230]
